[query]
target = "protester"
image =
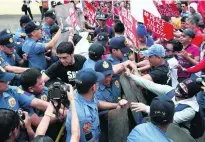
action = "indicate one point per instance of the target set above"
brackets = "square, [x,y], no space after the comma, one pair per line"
[27,8]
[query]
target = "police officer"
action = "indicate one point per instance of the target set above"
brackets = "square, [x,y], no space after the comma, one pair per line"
[20,34]
[87,105]
[118,49]
[108,90]
[50,19]
[7,46]
[102,21]
[12,97]
[96,51]
[36,50]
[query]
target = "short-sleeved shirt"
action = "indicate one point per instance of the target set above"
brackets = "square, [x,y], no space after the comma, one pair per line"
[108,94]
[10,59]
[3,63]
[36,53]
[42,96]
[17,36]
[66,73]
[15,98]
[89,63]
[147,132]
[87,111]
[194,51]
[161,75]
[116,61]
[107,29]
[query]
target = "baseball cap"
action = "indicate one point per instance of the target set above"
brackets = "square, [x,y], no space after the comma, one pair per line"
[96,50]
[31,26]
[162,110]
[86,78]
[101,16]
[119,43]
[104,66]
[189,32]
[156,49]
[141,30]
[6,38]
[102,38]
[50,13]
[6,76]
[192,88]
[25,19]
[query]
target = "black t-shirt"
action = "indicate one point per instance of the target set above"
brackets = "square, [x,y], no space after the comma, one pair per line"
[160,75]
[66,73]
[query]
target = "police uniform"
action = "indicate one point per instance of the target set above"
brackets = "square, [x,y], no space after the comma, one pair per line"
[2,62]
[15,98]
[42,96]
[6,39]
[45,27]
[18,38]
[11,59]
[96,50]
[118,43]
[87,110]
[34,49]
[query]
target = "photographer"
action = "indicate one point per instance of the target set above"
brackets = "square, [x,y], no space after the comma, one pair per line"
[10,122]
[43,126]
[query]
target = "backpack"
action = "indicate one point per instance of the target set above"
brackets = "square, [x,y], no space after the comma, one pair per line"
[197,123]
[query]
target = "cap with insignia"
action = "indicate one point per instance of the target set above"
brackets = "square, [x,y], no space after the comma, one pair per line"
[6,38]
[31,26]
[104,66]
[101,16]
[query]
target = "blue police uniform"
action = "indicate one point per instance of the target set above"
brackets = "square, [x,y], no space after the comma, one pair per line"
[89,63]
[36,53]
[147,132]
[88,117]
[3,63]
[17,36]
[15,98]
[110,94]
[10,59]
[116,61]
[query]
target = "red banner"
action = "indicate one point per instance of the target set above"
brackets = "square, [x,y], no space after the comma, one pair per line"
[158,26]
[130,25]
[89,12]
[73,16]
[169,10]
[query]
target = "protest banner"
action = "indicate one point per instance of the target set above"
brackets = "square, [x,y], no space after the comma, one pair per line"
[89,12]
[158,26]
[169,10]
[130,25]
[72,16]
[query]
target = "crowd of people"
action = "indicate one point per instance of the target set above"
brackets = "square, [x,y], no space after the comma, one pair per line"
[168,73]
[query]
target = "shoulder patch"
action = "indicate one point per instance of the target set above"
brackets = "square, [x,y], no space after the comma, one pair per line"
[12,102]
[117,84]
[43,97]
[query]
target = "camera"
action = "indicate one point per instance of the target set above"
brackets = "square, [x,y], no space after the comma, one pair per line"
[57,92]
[201,80]
[21,114]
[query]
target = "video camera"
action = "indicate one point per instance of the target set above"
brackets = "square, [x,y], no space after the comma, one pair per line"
[57,93]
[201,80]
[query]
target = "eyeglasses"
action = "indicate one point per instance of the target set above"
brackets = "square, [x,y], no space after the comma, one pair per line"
[182,6]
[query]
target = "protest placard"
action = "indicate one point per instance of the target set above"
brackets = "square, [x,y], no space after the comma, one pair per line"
[89,12]
[158,26]
[72,16]
[130,25]
[169,10]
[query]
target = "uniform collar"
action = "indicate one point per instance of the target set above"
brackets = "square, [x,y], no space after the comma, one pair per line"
[5,94]
[22,30]
[90,103]
[101,86]
[113,58]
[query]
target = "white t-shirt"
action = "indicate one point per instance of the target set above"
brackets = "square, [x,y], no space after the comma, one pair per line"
[27,3]
[173,62]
